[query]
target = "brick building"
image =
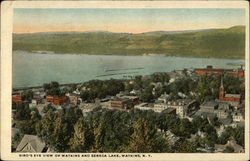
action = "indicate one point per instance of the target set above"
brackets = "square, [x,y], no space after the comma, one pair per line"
[210,70]
[228,97]
[57,100]
[124,103]
[17,98]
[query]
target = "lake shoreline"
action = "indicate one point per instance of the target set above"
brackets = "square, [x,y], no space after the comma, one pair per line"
[41,86]
[150,54]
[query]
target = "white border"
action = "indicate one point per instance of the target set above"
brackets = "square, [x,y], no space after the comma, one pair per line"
[6,68]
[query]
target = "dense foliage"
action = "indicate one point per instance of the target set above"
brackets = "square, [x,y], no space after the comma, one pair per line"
[101,88]
[53,89]
[231,133]
[67,130]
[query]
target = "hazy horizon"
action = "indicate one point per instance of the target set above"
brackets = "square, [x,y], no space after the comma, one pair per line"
[89,31]
[121,20]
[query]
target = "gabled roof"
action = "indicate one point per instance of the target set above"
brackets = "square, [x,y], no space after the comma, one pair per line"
[33,141]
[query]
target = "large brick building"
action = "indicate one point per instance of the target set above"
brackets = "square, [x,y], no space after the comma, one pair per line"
[210,70]
[124,103]
[57,100]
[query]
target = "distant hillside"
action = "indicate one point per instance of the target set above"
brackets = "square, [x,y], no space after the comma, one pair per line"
[216,43]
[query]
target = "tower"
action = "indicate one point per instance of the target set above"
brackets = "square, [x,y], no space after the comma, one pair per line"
[222,90]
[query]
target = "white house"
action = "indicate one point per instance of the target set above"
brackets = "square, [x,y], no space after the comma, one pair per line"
[237,117]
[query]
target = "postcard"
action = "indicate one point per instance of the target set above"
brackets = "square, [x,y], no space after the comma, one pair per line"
[125,80]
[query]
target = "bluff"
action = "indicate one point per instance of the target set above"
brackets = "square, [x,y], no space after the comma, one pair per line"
[211,43]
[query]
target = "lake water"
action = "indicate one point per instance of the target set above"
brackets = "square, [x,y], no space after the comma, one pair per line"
[33,69]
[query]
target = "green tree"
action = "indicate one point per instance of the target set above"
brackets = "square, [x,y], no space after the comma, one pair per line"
[239,135]
[54,84]
[101,89]
[99,132]
[53,89]
[48,107]
[233,133]
[138,82]
[129,87]
[27,124]
[22,112]
[30,125]
[207,88]
[55,130]
[144,138]
[161,122]
[82,138]
[147,95]
[215,122]
[160,77]
[184,146]
[185,128]
[211,135]
[16,140]
[27,95]
[46,86]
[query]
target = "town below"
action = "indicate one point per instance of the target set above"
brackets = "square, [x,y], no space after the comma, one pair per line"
[190,110]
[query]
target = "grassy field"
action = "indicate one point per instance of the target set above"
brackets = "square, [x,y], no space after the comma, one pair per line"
[216,43]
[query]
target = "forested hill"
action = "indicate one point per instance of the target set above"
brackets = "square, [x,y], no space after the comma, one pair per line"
[214,43]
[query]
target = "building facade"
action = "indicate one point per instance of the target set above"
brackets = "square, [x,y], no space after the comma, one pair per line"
[17,99]
[210,70]
[57,100]
[123,103]
[31,144]
[228,97]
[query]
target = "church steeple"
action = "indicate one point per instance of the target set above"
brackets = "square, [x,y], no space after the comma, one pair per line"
[222,91]
[221,82]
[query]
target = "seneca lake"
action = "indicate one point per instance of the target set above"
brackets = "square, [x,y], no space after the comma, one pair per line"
[35,69]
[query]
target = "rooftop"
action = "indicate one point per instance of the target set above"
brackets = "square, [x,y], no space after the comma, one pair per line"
[33,141]
[214,69]
[204,114]
[211,68]
[211,104]
[226,121]
[233,95]
[169,110]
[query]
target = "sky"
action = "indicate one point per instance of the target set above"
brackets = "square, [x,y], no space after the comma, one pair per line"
[124,20]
